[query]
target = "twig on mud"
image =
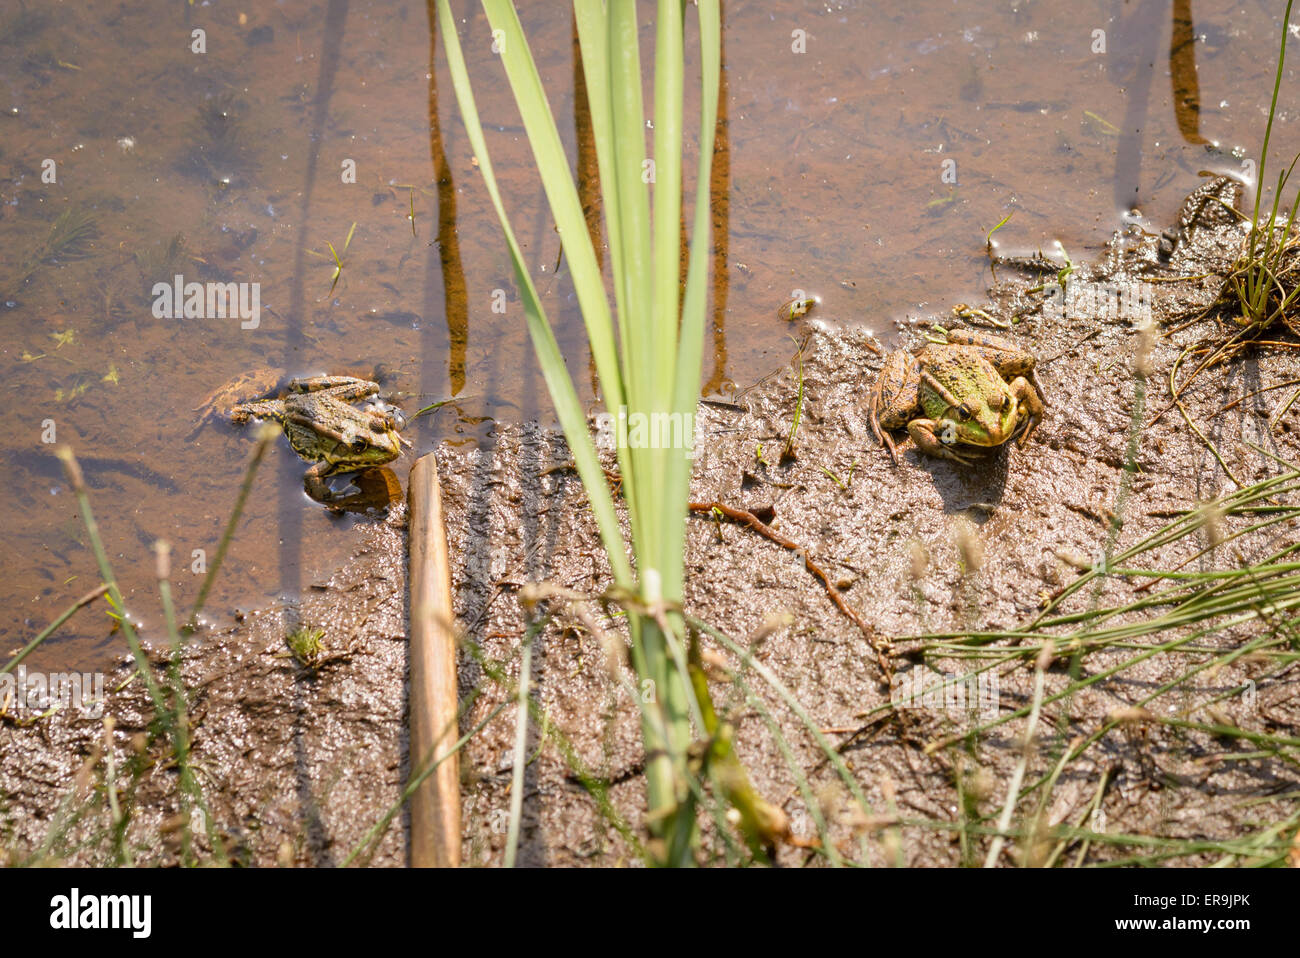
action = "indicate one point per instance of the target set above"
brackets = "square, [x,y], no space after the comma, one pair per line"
[1224,351]
[881,646]
[1242,399]
[1191,322]
[1208,445]
[1175,391]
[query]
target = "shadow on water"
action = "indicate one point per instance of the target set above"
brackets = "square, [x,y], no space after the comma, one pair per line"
[1136,37]
[1132,67]
[290,490]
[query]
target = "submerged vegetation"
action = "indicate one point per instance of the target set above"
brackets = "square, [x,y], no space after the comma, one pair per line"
[219,147]
[69,237]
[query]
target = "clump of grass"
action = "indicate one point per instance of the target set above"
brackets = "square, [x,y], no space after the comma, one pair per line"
[1265,280]
[307,644]
[1262,289]
[1177,613]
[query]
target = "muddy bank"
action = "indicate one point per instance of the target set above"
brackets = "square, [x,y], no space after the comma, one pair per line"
[297,763]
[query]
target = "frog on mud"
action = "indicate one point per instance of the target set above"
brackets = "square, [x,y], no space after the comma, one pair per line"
[974,390]
[323,427]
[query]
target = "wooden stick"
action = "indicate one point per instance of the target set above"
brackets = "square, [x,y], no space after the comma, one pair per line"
[879,644]
[435,806]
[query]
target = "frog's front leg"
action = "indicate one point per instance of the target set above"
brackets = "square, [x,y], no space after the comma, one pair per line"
[1030,401]
[894,397]
[313,481]
[923,431]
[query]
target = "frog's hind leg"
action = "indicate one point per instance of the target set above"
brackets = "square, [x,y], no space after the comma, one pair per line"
[345,388]
[260,409]
[971,337]
[894,397]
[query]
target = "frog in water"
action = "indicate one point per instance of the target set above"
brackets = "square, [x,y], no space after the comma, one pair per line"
[323,427]
[973,390]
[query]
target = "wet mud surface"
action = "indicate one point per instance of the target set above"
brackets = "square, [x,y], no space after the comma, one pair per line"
[298,764]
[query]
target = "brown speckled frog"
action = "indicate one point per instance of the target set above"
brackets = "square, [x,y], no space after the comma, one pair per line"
[323,427]
[974,390]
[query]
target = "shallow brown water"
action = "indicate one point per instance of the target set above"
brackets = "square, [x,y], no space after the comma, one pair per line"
[832,180]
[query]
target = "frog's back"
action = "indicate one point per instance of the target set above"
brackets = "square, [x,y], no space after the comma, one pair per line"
[959,370]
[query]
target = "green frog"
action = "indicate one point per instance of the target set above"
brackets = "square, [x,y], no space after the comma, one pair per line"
[974,390]
[323,427]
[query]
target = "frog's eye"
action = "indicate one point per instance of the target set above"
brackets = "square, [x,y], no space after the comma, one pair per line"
[963,412]
[359,444]
[379,425]
[998,401]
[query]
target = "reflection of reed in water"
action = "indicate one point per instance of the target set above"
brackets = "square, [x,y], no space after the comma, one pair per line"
[454,290]
[588,173]
[720,199]
[1182,73]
